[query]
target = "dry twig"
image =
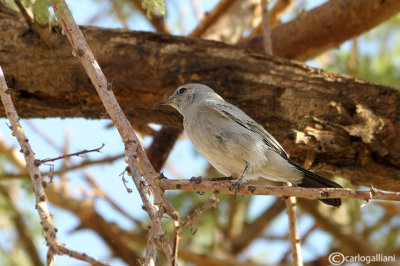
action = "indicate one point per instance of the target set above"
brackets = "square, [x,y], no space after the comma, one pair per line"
[266,27]
[55,247]
[299,192]
[133,149]
[39,162]
[189,220]
[290,201]
[293,230]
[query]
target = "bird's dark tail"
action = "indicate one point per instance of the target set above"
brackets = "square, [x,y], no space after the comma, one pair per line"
[313,180]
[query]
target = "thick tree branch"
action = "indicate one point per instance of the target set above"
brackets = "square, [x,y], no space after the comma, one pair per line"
[351,126]
[326,27]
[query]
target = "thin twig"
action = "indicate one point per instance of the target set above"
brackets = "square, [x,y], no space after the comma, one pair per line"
[64,169]
[36,178]
[120,14]
[188,221]
[25,14]
[284,259]
[211,17]
[133,149]
[39,162]
[266,27]
[293,230]
[156,20]
[24,236]
[252,230]
[278,10]
[191,217]
[299,192]
[198,11]
[101,193]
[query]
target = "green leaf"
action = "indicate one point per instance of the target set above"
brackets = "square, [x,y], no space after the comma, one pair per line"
[40,9]
[154,5]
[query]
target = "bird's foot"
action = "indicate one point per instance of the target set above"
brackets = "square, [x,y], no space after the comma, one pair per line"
[196,180]
[236,185]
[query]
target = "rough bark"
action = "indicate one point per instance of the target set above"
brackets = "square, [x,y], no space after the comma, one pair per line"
[348,125]
[326,27]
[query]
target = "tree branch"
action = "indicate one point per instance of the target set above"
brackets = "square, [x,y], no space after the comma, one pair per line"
[156,20]
[299,192]
[133,149]
[326,27]
[41,200]
[281,95]
[294,236]
[255,229]
[24,236]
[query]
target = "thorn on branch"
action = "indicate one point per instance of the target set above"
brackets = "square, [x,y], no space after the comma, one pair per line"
[109,86]
[78,52]
[196,180]
[39,162]
[373,191]
[129,141]
[251,188]
[162,176]
[124,181]
[193,230]
[324,194]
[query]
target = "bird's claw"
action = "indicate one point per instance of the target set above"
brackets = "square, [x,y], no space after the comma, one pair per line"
[237,185]
[196,180]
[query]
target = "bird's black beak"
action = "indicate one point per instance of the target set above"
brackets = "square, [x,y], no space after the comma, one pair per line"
[164,102]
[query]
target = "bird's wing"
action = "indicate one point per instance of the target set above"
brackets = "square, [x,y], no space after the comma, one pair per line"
[233,113]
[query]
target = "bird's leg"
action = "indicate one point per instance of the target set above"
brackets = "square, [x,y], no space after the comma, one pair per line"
[238,183]
[222,178]
[199,179]
[196,180]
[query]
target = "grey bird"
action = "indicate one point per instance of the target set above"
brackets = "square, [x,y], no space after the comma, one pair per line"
[235,144]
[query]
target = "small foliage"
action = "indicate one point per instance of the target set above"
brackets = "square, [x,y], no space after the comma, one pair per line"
[40,9]
[153,5]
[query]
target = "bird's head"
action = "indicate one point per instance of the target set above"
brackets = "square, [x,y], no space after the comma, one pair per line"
[188,95]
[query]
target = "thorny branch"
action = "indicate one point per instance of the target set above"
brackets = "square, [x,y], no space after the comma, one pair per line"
[39,162]
[290,201]
[189,220]
[299,192]
[294,236]
[133,149]
[49,230]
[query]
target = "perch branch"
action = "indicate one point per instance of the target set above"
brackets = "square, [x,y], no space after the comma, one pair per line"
[41,200]
[299,192]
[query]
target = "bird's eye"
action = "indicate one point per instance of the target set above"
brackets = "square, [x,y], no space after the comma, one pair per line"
[181,90]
